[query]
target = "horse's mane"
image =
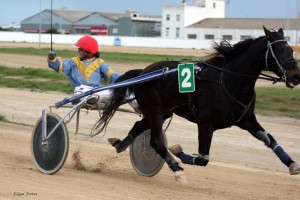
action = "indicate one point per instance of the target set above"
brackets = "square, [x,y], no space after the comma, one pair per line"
[225,51]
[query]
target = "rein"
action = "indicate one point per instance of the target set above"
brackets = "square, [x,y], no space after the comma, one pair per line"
[262,75]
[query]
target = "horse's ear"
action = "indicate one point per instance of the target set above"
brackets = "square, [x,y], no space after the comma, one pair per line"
[280,31]
[267,32]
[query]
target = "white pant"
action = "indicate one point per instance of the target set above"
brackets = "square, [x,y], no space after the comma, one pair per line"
[104,95]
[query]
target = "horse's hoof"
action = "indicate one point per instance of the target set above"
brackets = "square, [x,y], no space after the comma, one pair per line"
[113,141]
[294,168]
[175,149]
[180,177]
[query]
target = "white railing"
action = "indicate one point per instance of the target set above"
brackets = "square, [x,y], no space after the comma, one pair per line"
[108,40]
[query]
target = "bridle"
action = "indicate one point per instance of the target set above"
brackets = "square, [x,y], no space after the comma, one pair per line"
[279,65]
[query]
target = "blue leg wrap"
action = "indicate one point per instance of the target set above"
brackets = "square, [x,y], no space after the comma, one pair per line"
[192,160]
[282,155]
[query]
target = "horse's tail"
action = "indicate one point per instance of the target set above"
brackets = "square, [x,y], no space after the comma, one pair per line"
[116,100]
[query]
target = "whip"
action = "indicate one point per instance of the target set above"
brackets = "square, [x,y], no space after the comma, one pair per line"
[51,50]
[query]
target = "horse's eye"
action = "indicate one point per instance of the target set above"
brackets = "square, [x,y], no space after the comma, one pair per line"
[280,50]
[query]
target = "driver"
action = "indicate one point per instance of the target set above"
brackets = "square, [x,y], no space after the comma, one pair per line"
[86,71]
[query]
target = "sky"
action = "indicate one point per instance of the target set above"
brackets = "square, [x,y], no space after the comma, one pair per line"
[14,11]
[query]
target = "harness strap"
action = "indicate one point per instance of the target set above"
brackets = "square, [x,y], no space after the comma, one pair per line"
[261,76]
[191,104]
[246,107]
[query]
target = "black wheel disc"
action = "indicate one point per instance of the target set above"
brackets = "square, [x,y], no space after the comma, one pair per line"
[50,156]
[144,159]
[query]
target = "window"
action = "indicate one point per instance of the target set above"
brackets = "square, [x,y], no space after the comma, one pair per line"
[177,32]
[168,17]
[167,31]
[192,36]
[177,17]
[244,37]
[209,37]
[115,30]
[227,37]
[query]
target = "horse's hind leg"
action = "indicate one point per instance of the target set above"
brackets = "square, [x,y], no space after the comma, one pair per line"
[136,130]
[156,122]
[250,124]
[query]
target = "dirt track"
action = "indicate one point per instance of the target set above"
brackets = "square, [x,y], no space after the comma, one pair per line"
[240,166]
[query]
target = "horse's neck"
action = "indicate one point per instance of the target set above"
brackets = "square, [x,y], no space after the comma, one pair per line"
[246,68]
[251,61]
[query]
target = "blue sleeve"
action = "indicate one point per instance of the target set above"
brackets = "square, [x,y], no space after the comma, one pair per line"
[67,66]
[54,64]
[61,66]
[108,74]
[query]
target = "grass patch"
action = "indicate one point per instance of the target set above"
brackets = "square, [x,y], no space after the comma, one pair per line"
[2,118]
[281,102]
[36,85]
[30,73]
[108,56]
[31,79]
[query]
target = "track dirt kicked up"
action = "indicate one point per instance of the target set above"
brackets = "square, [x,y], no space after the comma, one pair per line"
[240,166]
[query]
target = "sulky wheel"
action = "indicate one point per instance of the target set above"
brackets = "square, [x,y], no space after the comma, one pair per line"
[50,156]
[144,159]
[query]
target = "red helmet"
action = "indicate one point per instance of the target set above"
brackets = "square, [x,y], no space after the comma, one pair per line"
[88,43]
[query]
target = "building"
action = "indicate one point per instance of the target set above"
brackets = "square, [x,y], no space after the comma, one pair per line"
[96,23]
[205,20]
[175,19]
[237,29]
[62,20]
[202,20]
[134,24]
[130,23]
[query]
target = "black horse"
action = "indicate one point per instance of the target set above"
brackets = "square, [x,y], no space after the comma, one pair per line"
[224,96]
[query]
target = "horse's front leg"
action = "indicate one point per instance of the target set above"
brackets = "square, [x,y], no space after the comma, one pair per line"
[251,125]
[204,141]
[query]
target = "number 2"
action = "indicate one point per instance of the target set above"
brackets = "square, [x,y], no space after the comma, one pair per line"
[186,73]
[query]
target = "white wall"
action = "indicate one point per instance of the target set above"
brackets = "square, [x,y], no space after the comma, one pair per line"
[107,40]
[189,15]
[235,33]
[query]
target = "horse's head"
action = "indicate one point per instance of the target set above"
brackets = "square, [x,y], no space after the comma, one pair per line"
[279,58]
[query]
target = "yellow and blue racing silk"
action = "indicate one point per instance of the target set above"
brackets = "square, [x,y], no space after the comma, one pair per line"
[88,72]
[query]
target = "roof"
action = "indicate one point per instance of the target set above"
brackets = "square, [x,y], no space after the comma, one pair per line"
[70,15]
[245,23]
[74,16]
[151,17]
[112,16]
